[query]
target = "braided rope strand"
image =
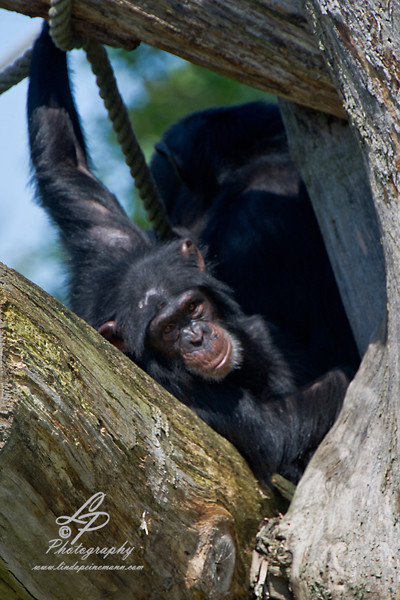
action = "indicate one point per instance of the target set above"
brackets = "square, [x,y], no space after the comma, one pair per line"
[60,24]
[15,72]
[121,123]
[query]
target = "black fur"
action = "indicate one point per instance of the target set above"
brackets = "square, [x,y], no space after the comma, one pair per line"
[225,175]
[118,273]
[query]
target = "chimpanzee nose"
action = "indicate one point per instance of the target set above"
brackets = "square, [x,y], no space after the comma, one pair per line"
[194,334]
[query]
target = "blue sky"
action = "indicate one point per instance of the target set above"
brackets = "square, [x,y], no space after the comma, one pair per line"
[22,224]
[24,228]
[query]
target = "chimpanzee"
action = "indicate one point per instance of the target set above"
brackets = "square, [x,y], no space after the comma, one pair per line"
[160,304]
[226,178]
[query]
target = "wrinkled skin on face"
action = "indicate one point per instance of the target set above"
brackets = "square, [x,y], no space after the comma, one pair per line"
[189,329]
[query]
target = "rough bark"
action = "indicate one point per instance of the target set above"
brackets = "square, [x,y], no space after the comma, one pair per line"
[342,528]
[264,44]
[77,418]
[331,164]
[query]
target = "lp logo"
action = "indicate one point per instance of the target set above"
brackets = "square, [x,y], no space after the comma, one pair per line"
[87,515]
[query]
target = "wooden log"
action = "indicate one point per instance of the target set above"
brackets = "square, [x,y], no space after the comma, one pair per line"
[328,157]
[342,529]
[78,419]
[265,45]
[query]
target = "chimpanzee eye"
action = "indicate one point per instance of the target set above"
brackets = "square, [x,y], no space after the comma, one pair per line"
[192,307]
[168,328]
[195,309]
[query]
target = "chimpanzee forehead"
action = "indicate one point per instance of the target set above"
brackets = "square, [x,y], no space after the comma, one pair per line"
[163,292]
[160,277]
[165,304]
[157,293]
[180,303]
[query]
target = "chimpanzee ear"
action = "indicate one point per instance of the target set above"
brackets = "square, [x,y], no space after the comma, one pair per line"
[109,331]
[188,248]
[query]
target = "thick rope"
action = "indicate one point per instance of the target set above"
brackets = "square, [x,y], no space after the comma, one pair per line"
[134,157]
[62,35]
[60,24]
[15,72]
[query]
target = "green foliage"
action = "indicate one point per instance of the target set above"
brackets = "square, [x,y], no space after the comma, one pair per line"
[172,88]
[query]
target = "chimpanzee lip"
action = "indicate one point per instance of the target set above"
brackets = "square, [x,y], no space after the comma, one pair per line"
[221,366]
[226,353]
[226,360]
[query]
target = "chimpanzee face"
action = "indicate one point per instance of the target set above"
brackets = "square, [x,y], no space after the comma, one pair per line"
[188,329]
[172,317]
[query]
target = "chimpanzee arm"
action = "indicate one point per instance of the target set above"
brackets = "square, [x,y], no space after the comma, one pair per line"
[275,435]
[312,413]
[90,218]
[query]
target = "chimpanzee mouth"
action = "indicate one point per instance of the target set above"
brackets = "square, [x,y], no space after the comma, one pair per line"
[228,359]
[223,363]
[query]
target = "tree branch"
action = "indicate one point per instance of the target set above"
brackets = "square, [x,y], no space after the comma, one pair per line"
[78,418]
[265,45]
[342,528]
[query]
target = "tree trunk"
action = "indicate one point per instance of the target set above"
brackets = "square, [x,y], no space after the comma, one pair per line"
[327,154]
[264,44]
[342,527]
[78,419]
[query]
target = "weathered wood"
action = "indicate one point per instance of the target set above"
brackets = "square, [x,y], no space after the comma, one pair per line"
[264,44]
[328,156]
[342,528]
[78,418]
